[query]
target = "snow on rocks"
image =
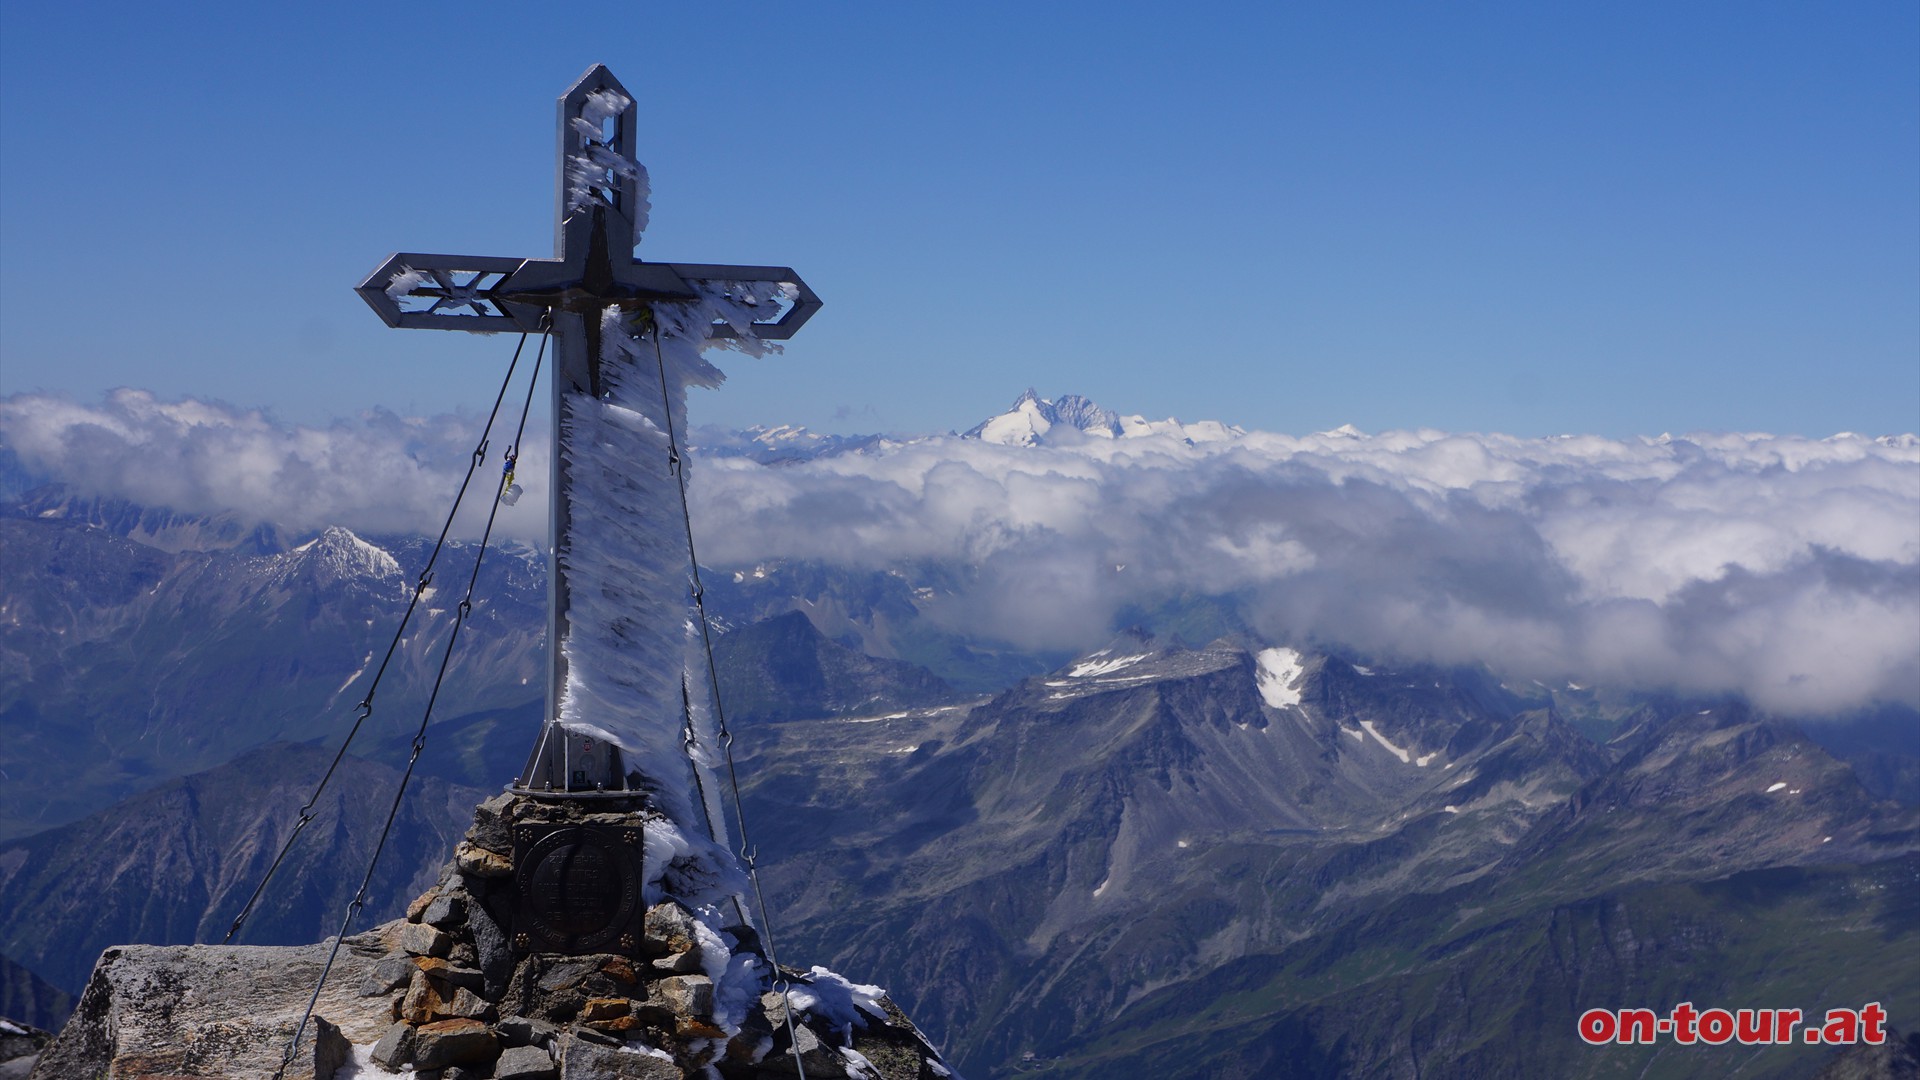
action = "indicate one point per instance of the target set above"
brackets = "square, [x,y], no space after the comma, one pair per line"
[1278,676]
[1094,667]
[1397,751]
[337,555]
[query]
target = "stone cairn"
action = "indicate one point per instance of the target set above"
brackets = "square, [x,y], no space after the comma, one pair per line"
[467,1004]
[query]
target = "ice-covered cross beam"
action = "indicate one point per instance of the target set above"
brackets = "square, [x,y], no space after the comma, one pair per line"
[618,560]
[601,211]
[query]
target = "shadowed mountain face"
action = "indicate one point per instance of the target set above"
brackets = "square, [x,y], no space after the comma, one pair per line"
[176,864]
[783,669]
[122,665]
[1150,869]
[1155,860]
[31,1000]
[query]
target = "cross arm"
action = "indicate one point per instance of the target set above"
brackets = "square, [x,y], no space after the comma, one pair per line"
[486,294]
[804,302]
[446,292]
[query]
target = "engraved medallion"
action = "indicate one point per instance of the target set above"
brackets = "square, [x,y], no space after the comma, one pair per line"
[577,890]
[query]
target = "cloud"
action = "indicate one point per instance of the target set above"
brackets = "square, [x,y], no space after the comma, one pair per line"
[1783,568]
[378,473]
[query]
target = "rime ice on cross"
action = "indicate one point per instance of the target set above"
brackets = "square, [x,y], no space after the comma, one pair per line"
[600,211]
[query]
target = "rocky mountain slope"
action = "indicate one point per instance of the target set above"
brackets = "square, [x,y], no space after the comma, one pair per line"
[175,865]
[1160,859]
[1143,865]
[123,665]
[783,668]
[29,999]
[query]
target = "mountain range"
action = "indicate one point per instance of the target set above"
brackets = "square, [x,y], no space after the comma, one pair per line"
[1192,852]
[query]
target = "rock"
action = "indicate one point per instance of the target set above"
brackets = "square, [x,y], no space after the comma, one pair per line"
[453,1042]
[463,954]
[225,1010]
[420,903]
[669,927]
[753,1041]
[331,1051]
[606,1008]
[390,974]
[893,1058]
[681,963]
[20,1046]
[598,1038]
[688,1028]
[686,995]
[525,1063]
[448,910]
[491,951]
[481,863]
[822,1062]
[423,940]
[469,1004]
[395,1048]
[581,1059]
[452,974]
[555,988]
[523,1031]
[491,830]
[773,1004]
[427,999]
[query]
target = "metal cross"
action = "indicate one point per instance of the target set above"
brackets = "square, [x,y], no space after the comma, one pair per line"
[600,210]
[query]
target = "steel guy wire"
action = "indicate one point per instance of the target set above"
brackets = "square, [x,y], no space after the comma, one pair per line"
[365,707]
[748,853]
[461,612]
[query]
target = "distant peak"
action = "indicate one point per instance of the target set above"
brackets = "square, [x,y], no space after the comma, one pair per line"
[1028,420]
[1344,431]
[343,552]
[1032,421]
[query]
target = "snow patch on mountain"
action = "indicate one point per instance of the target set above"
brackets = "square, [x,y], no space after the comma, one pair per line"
[1090,668]
[1405,756]
[1278,676]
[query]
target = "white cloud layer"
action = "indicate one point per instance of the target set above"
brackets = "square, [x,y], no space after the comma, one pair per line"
[1784,568]
[379,473]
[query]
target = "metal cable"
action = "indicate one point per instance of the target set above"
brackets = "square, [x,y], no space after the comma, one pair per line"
[365,708]
[461,612]
[747,852]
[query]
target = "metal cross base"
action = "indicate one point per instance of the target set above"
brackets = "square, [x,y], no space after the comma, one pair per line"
[570,764]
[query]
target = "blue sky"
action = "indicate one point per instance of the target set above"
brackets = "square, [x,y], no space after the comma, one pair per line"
[1518,218]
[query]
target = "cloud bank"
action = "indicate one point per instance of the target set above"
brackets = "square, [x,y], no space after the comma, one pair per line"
[1783,568]
[378,473]
[1786,569]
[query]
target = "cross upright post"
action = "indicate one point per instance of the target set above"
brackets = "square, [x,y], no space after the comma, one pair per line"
[595,299]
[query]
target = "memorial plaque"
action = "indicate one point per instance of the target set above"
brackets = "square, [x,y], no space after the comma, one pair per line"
[577,889]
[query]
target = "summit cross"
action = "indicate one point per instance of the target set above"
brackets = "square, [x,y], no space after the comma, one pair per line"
[592,283]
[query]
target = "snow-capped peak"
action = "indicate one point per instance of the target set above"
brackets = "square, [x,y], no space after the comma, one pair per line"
[1033,421]
[347,556]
